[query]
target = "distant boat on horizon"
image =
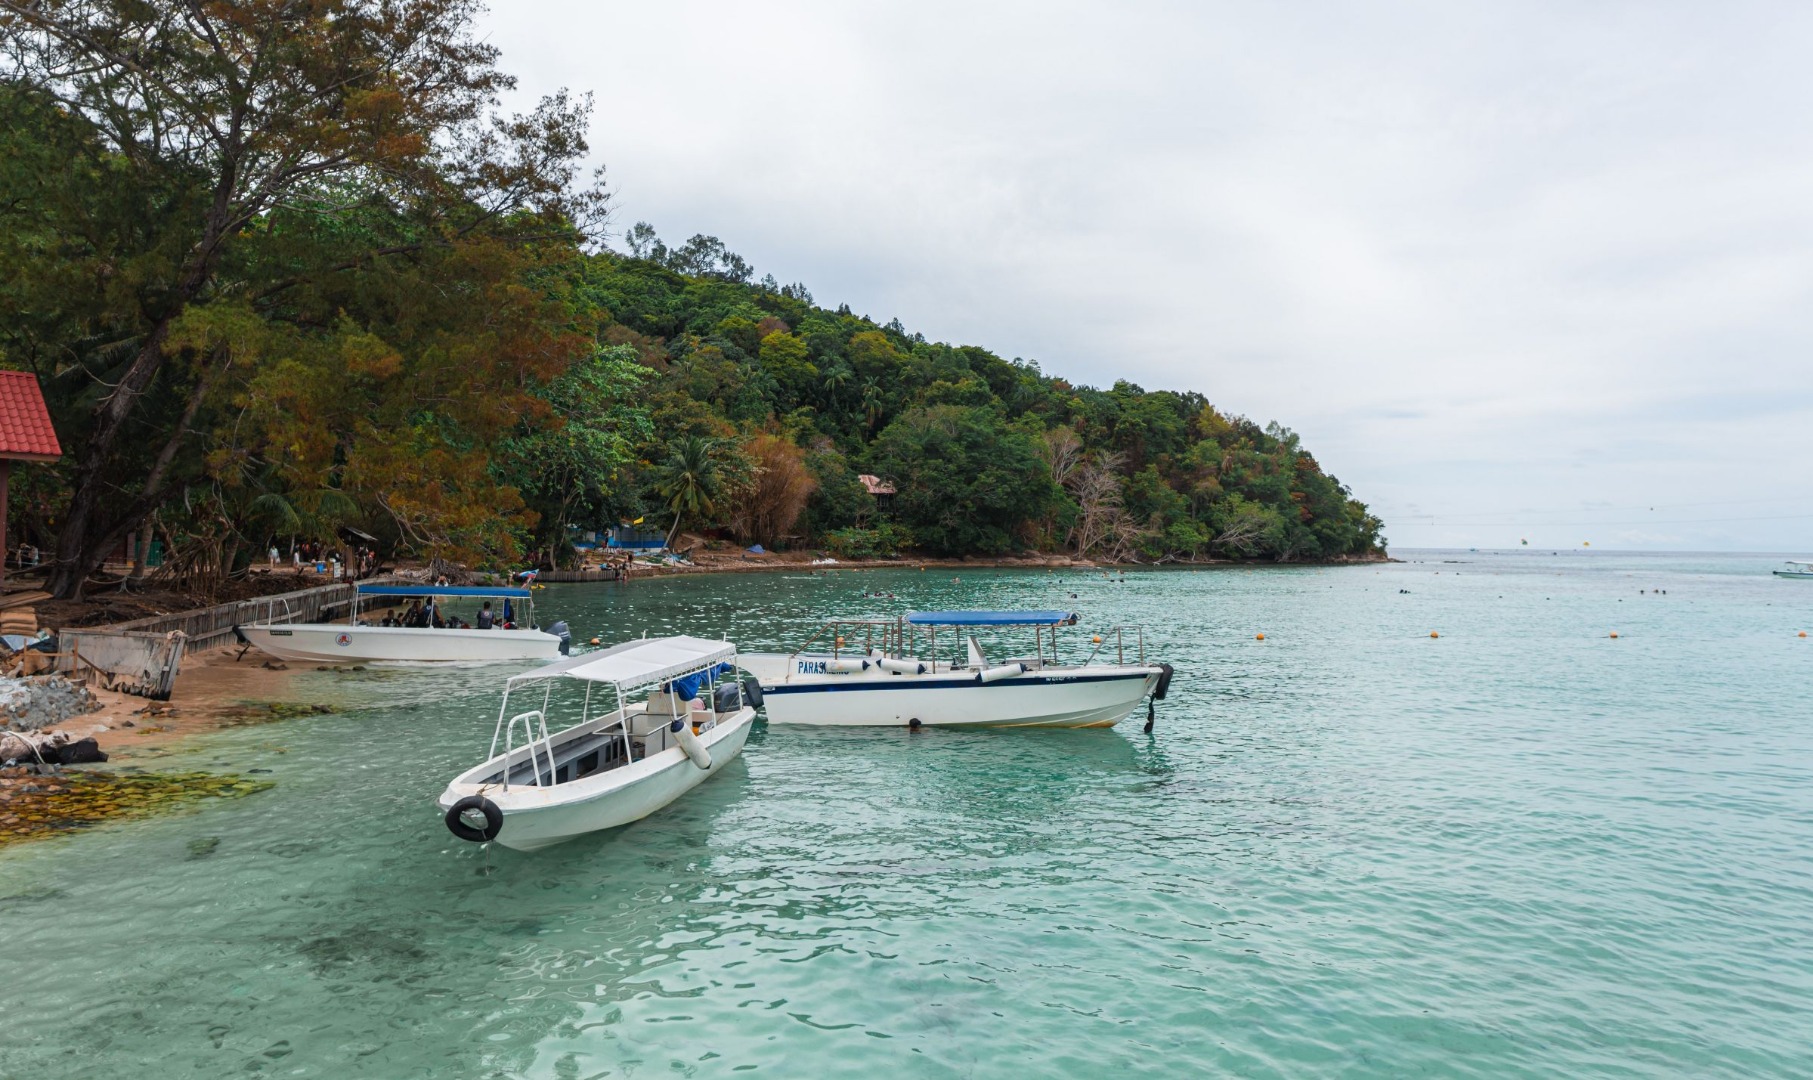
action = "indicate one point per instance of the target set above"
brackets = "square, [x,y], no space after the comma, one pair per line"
[1796,569]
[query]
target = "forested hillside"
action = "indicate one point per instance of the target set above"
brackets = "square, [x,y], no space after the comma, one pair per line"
[300,275]
[791,401]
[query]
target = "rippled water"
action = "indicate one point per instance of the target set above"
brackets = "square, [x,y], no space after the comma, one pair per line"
[1523,848]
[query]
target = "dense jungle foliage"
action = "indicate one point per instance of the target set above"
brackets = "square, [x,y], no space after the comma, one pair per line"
[299,276]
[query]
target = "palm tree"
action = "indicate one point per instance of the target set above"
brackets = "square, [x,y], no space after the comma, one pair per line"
[836,376]
[872,401]
[689,480]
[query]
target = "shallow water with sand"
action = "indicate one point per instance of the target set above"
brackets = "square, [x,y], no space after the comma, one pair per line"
[1524,848]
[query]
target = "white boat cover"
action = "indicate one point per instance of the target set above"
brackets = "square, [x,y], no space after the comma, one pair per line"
[639,663]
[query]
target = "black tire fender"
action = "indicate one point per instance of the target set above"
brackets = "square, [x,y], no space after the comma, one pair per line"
[1165,672]
[494,819]
[752,691]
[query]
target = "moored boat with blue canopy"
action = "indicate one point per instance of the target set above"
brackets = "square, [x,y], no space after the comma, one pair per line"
[905,672]
[435,624]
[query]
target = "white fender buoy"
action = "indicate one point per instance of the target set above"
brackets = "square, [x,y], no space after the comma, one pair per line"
[901,667]
[691,744]
[846,667]
[1005,671]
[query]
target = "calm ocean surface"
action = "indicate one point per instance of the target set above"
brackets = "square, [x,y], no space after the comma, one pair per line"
[1522,849]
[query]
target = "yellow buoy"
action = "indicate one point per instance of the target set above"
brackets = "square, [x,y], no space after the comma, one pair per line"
[1432,633]
[1258,637]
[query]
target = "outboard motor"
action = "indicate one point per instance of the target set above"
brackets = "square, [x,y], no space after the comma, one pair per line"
[727,697]
[565,635]
[1165,671]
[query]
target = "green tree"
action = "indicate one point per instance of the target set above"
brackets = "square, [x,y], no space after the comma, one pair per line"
[967,483]
[568,465]
[690,480]
[784,359]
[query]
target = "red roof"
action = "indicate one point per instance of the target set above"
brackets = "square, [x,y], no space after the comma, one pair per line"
[25,431]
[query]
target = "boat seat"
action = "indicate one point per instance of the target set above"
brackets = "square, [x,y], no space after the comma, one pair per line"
[666,704]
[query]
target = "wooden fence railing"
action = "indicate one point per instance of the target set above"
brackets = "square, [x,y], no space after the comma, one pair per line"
[212,627]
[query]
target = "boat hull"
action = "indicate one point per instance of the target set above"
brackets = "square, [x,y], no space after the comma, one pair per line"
[327,643]
[1793,573]
[540,817]
[1088,697]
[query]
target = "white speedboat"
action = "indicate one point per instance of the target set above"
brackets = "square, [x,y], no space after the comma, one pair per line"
[880,673]
[437,627]
[1796,569]
[612,767]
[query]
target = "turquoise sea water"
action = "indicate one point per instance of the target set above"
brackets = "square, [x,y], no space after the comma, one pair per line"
[1521,849]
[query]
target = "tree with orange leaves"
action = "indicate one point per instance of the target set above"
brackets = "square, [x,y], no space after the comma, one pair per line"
[297,145]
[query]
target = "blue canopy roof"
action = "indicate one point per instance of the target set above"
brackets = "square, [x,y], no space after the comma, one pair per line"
[441,590]
[988,618]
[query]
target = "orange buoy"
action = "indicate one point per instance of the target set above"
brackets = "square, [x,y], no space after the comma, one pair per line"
[1803,633]
[1258,637]
[1614,633]
[1432,633]
[1097,639]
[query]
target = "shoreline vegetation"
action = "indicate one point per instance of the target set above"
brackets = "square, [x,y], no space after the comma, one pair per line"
[377,317]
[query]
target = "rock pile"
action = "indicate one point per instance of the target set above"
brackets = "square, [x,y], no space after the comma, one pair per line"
[41,702]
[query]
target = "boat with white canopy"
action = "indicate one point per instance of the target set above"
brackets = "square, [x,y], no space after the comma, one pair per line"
[438,624]
[622,761]
[1796,569]
[886,672]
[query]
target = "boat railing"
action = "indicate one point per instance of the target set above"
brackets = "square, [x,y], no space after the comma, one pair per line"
[531,721]
[1121,634]
[270,612]
[892,637]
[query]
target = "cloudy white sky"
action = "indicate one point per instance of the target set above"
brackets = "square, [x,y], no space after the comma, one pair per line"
[1514,271]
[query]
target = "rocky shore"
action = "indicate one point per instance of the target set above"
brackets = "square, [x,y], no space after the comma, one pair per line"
[68,752]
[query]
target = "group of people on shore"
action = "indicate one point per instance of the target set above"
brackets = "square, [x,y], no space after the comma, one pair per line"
[363,560]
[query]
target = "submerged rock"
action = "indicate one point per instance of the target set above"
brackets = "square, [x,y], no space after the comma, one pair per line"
[49,804]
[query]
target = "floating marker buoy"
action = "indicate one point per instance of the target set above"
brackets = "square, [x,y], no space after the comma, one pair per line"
[1097,639]
[1803,633]
[1258,637]
[1432,633]
[594,641]
[1614,633]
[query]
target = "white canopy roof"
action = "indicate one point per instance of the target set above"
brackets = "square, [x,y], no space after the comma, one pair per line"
[640,663]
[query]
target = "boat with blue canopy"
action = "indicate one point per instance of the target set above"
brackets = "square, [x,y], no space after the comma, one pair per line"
[417,624]
[930,669]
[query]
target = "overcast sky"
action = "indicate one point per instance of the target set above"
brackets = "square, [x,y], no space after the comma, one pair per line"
[1513,271]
